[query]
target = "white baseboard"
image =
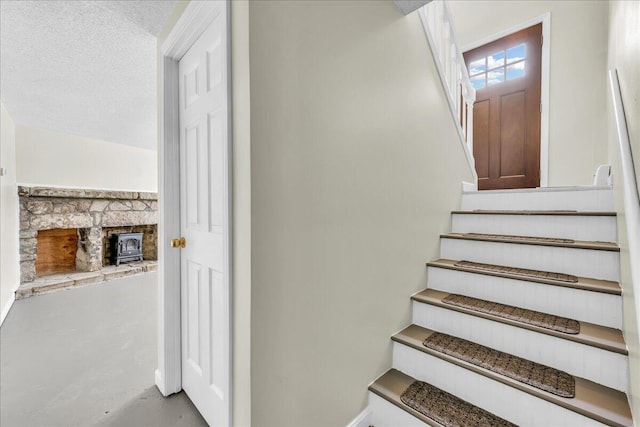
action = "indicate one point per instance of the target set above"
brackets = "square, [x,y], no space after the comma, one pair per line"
[363,419]
[6,308]
[469,186]
[158,381]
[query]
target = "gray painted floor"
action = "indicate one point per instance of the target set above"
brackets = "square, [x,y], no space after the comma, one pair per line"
[84,357]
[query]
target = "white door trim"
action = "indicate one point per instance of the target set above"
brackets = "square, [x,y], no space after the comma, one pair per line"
[194,21]
[545,19]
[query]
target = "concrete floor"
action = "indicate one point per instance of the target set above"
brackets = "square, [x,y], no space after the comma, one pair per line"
[86,356]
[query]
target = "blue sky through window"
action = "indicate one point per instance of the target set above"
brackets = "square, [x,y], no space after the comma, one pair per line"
[498,67]
[516,53]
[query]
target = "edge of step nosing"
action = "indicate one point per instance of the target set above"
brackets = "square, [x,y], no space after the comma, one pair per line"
[578,338]
[542,190]
[577,244]
[378,390]
[580,285]
[534,212]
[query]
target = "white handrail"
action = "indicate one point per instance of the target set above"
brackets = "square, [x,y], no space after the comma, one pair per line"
[441,35]
[630,186]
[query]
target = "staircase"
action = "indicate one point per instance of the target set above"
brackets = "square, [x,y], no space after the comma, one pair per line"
[521,321]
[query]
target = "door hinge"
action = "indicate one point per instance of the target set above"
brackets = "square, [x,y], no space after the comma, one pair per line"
[541,40]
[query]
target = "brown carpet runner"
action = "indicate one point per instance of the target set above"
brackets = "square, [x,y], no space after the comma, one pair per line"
[548,321]
[447,409]
[520,238]
[534,374]
[547,275]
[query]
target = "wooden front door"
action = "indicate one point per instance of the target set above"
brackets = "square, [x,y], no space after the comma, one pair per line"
[506,74]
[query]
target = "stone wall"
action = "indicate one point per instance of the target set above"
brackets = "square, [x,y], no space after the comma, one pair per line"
[87,210]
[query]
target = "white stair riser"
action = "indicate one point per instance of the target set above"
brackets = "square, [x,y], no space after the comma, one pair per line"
[594,228]
[588,306]
[386,414]
[591,200]
[580,262]
[504,401]
[602,366]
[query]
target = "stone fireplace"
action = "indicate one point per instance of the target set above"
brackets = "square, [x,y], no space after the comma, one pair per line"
[149,241]
[53,220]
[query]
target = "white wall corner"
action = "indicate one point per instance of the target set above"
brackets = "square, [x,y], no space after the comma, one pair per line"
[159,383]
[6,308]
[408,6]
[603,176]
[469,186]
[363,419]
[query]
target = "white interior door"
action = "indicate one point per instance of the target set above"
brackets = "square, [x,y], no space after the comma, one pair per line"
[204,222]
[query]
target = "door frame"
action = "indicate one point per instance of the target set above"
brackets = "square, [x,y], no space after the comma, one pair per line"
[545,20]
[197,17]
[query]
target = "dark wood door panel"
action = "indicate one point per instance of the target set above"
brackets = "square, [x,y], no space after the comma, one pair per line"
[506,122]
[512,135]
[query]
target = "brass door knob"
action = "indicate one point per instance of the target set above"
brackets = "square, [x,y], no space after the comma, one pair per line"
[179,243]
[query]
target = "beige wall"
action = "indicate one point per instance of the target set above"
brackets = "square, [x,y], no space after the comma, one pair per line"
[241,116]
[355,167]
[241,234]
[577,134]
[9,266]
[56,159]
[624,55]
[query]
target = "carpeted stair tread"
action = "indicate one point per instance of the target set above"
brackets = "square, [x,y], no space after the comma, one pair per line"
[534,374]
[520,238]
[590,334]
[561,277]
[447,409]
[584,283]
[393,384]
[596,401]
[532,240]
[536,318]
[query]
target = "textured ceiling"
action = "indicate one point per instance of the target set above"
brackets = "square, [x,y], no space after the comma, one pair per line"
[86,68]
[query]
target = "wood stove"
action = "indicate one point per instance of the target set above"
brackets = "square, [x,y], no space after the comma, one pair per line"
[126,247]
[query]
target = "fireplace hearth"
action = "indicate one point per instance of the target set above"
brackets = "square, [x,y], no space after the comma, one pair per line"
[126,247]
[49,218]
